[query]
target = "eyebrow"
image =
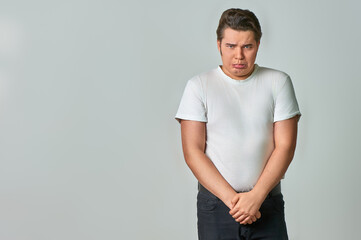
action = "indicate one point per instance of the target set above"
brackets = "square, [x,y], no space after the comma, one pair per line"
[233,44]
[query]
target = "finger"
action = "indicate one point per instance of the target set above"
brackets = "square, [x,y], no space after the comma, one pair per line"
[253,218]
[249,221]
[258,215]
[241,218]
[240,213]
[234,210]
[235,200]
[235,197]
[237,215]
[246,221]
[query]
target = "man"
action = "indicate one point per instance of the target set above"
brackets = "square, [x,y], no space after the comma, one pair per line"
[239,129]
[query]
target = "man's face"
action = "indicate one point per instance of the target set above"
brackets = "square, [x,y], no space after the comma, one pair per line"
[238,51]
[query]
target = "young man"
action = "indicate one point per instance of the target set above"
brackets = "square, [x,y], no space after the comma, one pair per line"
[239,129]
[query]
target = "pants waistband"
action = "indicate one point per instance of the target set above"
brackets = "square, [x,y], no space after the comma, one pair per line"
[275,191]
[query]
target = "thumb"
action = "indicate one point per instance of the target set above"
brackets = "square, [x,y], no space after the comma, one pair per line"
[258,215]
[235,199]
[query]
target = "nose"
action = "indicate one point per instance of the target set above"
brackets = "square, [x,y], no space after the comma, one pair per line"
[239,54]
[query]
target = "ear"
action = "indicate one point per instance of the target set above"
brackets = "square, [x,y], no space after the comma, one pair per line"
[219,45]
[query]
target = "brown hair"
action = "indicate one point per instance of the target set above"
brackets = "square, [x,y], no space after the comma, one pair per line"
[241,20]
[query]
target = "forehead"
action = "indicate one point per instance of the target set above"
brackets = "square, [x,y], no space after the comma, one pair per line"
[230,35]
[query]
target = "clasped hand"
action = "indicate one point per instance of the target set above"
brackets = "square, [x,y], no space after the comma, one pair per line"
[245,207]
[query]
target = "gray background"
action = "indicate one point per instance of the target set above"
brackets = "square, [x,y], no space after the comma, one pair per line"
[89,148]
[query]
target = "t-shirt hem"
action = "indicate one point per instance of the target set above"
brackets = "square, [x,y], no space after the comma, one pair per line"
[288,116]
[188,117]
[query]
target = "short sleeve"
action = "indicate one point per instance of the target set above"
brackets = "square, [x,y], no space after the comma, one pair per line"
[192,106]
[286,105]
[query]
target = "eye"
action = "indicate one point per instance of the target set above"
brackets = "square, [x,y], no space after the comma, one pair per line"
[230,46]
[248,46]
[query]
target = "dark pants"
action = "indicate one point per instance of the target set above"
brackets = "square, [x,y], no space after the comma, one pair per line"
[215,222]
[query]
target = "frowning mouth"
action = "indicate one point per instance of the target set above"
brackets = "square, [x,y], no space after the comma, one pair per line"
[239,66]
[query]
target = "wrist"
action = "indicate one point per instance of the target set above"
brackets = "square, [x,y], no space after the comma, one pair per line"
[227,198]
[260,193]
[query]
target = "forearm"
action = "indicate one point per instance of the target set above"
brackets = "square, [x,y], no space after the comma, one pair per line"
[209,176]
[275,168]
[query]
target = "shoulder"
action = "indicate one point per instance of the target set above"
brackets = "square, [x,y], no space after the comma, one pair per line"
[275,77]
[207,75]
[200,80]
[272,73]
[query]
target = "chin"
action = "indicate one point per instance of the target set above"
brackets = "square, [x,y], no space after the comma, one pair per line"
[240,73]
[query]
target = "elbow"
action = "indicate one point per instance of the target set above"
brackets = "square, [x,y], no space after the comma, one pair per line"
[191,156]
[188,157]
[287,150]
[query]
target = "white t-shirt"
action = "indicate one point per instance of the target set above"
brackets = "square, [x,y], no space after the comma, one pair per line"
[239,115]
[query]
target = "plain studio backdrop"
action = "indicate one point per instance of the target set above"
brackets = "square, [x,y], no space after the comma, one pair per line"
[90,149]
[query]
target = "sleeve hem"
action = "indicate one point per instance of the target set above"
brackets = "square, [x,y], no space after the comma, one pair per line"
[188,117]
[288,116]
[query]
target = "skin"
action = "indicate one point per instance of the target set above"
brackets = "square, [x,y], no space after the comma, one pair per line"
[244,207]
[239,47]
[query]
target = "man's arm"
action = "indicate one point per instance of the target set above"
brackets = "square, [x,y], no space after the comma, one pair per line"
[285,137]
[194,142]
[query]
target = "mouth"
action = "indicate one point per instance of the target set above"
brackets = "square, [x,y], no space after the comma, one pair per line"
[239,66]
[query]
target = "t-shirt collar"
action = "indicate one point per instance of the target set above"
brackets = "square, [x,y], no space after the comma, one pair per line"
[234,81]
